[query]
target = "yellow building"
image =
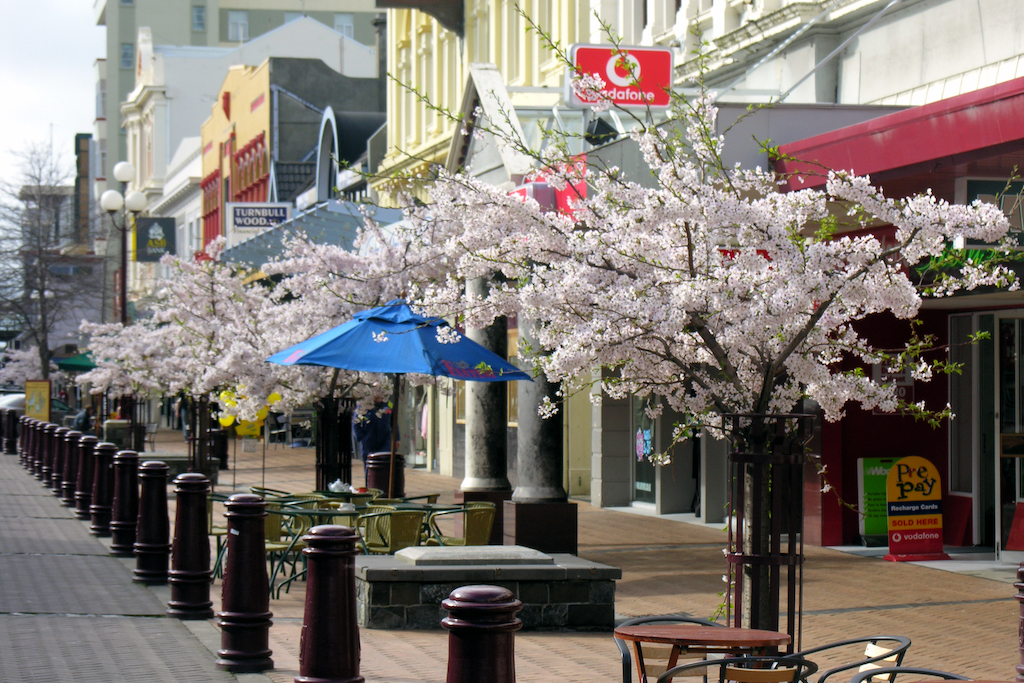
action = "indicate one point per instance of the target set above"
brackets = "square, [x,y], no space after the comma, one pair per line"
[434,58]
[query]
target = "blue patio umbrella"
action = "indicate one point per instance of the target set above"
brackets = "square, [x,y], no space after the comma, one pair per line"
[393,339]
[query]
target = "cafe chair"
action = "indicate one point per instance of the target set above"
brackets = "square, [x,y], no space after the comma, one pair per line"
[218,532]
[385,532]
[477,521]
[879,651]
[781,669]
[266,493]
[891,671]
[655,656]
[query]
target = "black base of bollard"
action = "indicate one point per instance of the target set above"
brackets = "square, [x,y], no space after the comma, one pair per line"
[190,595]
[250,632]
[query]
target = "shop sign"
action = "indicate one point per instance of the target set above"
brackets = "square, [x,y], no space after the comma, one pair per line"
[872,475]
[248,219]
[914,506]
[153,237]
[633,76]
[37,399]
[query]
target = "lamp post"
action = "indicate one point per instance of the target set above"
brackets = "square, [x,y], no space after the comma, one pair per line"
[134,202]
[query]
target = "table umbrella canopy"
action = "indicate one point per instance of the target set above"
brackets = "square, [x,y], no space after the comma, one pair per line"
[394,339]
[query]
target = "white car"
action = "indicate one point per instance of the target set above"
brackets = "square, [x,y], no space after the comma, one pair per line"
[58,409]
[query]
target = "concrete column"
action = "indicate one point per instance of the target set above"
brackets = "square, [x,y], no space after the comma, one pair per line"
[539,462]
[487,412]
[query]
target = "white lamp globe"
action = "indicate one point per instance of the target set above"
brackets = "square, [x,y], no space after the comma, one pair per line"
[135,201]
[124,171]
[111,201]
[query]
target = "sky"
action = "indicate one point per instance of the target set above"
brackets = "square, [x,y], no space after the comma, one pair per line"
[47,51]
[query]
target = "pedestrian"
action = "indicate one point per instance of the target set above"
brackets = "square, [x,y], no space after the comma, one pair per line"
[83,421]
[373,429]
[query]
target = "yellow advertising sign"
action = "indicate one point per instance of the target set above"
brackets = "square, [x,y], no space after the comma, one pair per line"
[914,502]
[37,399]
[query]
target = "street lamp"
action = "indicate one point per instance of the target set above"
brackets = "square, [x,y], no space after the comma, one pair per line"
[112,202]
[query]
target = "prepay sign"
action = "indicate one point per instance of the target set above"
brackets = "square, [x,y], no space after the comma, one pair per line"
[633,76]
[914,502]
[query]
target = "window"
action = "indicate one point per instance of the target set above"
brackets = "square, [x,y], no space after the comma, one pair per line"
[345,24]
[289,17]
[199,18]
[127,55]
[101,98]
[128,2]
[238,26]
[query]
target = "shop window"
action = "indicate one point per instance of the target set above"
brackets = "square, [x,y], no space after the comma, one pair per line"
[199,18]
[127,55]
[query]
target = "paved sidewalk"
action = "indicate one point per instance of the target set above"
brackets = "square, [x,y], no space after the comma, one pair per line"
[958,622]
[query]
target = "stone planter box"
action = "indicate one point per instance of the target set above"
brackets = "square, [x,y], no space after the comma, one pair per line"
[559,592]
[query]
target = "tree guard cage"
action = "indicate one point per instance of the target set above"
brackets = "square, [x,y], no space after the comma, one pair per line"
[766,465]
[334,441]
[199,424]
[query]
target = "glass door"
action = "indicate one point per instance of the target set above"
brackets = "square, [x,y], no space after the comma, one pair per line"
[643,443]
[1010,445]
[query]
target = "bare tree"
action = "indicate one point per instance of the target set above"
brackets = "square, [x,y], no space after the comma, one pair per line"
[51,280]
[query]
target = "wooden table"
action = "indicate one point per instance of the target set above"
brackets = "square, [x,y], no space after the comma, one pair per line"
[703,640]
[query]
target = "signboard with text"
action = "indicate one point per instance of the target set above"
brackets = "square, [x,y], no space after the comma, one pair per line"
[248,219]
[872,474]
[153,237]
[37,399]
[914,507]
[633,76]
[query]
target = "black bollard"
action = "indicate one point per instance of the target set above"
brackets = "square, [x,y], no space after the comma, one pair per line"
[329,647]
[57,473]
[49,448]
[11,433]
[245,598]
[481,625]
[25,442]
[124,513]
[378,473]
[102,488]
[69,476]
[190,574]
[152,542]
[86,467]
[38,445]
[1019,585]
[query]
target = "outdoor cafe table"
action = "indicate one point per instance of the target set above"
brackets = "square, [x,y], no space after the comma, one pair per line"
[700,639]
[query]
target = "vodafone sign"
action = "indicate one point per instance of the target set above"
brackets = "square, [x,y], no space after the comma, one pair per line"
[633,76]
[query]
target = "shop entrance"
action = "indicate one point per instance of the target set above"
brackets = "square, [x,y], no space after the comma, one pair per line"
[1010,444]
[643,442]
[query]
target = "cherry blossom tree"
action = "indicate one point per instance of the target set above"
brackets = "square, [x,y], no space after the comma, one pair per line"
[19,365]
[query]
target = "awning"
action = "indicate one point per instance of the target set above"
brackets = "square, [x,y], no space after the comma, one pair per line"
[334,222]
[80,363]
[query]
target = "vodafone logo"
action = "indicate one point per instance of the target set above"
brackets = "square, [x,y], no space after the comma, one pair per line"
[623,70]
[633,76]
[896,537]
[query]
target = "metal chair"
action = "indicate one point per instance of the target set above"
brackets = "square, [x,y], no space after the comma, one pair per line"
[385,532]
[477,520]
[781,669]
[658,654]
[879,651]
[891,672]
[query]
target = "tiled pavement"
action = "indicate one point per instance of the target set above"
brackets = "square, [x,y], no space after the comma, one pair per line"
[958,622]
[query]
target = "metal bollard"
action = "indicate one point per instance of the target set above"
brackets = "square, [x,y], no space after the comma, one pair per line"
[245,599]
[83,484]
[49,440]
[329,646]
[152,542]
[1019,585]
[481,625]
[102,488]
[124,513]
[38,448]
[190,574]
[57,473]
[26,435]
[11,433]
[27,442]
[69,475]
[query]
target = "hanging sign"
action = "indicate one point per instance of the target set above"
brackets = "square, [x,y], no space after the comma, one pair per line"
[914,505]
[153,238]
[248,219]
[633,76]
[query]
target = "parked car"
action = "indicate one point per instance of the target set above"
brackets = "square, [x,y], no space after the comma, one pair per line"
[58,408]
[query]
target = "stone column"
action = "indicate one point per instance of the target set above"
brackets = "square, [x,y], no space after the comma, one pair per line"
[539,515]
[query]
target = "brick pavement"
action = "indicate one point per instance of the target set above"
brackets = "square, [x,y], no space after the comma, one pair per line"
[958,622]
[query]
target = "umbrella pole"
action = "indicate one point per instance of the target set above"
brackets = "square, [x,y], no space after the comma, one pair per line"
[394,435]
